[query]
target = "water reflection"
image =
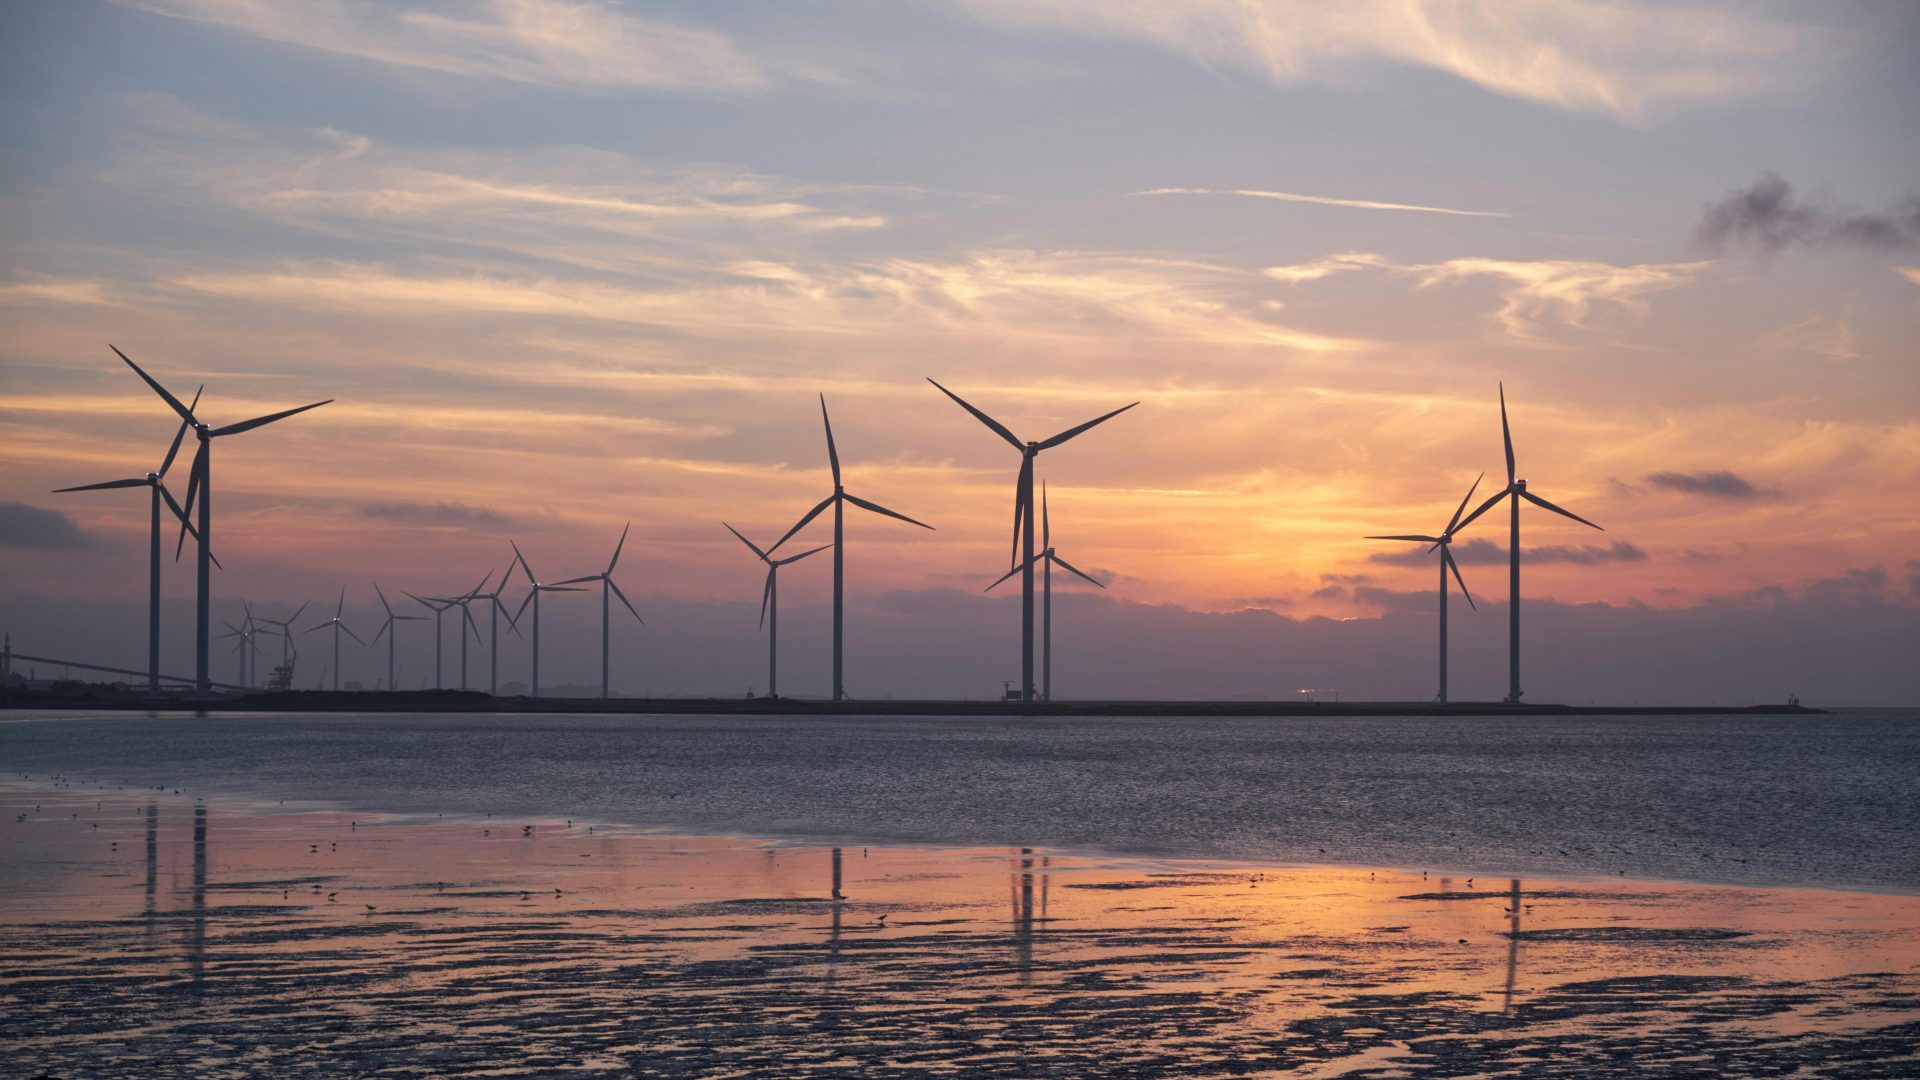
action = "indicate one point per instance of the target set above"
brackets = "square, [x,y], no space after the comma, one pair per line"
[1021,885]
[1513,944]
[833,934]
[197,923]
[153,865]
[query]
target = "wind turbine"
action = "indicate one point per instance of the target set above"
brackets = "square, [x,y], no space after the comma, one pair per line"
[200,484]
[246,647]
[287,651]
[770,604]
[1023,560]
[339,627]
[157,491]
[493,626]
[439,607]
[533,597]
[1515,491]
[838,501]
[1445,543]
[605,578]
[466,620]
[387,626]
[1048,557]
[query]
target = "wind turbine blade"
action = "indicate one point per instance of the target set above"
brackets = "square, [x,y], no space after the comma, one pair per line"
[181,434]
[1538,501]
[383,631]
[185,413]
[322,626]
[802,555]
[471,625]
[997,427]
[556,588]
[349,633]
[1506,435]
[522,559]
[531,593]
[1481,509]
[1020,505]
[341,607]
[512,620]
[139,481]
[802,523]
[195,475]
[1003,577]
[766,594]
[475,591]
[833,455]
[616,549]
[578,580]
[1069,567]
[262,421]
[1072,431]
[1447,557]
[298,610]
[624,600]
[1416,539]
[383,600]
[744,540]
[878,509]
[1448,531]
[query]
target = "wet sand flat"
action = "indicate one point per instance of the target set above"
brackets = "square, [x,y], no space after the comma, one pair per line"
[150,934]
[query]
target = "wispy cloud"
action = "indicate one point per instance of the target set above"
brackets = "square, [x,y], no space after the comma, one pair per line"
[437,515]
[1718,483]
[1480,552]
[556,43]
[1325,200]
[55,291]
[1911,273]
[1629,61]
[1563,290]
[1327,267]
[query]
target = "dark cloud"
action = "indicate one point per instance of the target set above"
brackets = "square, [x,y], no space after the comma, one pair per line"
[1263,601]
[1329,592]
[1718,484]
[1768,215]
[1393,599]
[24,526]
[1479,552]
[437,515]
[1913,578]
[1587,554]
[1346,579]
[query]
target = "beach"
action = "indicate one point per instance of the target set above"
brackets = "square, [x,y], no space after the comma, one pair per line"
[156,933]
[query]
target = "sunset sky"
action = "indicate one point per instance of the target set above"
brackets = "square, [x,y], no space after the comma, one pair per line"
[568,265]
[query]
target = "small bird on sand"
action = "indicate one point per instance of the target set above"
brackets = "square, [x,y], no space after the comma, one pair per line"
[332,896]
[369,907]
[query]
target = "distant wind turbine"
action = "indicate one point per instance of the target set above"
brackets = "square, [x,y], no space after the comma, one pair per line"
[392,631]
[287,650]
[493,626]
[1515,491]
[838,501]
[200,484]
[770,604]
[438,607]
[533,597]
[605,578]
[1048,558]
[157,491]
[339,627]
[1445,543]
[1023,557]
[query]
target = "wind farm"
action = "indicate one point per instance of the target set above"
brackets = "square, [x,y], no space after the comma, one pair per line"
[412,306]
[1032,563]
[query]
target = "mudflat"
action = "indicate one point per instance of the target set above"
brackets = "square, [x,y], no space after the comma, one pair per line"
[150,933]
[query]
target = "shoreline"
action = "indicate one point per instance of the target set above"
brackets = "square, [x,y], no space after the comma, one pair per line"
[431,701]
[166,935]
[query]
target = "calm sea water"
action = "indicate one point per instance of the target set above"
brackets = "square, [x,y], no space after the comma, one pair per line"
[1829,800]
